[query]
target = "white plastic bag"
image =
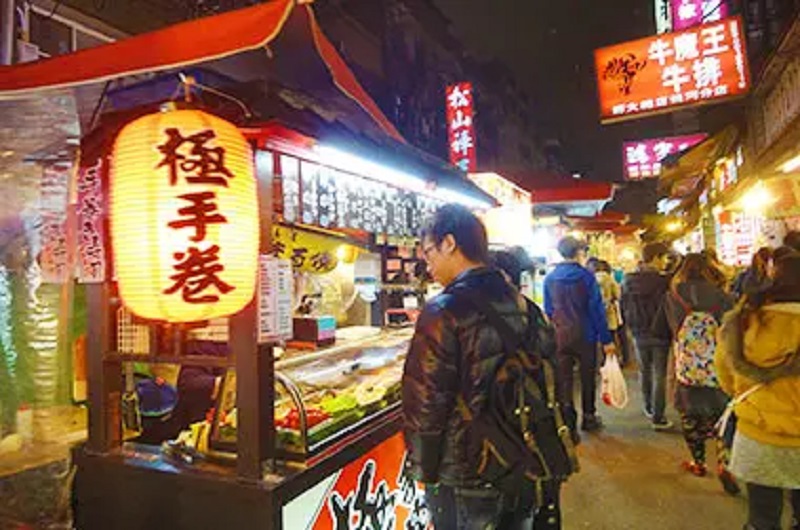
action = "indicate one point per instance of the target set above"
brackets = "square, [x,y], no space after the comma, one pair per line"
[614,388]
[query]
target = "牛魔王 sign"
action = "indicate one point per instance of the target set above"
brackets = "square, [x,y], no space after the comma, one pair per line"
[460,126]
[704,64]
[184,217]
[643,158]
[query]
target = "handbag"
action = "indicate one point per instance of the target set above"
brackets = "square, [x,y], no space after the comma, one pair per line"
[614,387]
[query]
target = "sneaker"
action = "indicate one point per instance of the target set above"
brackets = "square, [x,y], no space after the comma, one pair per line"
[728,481]
[592,423]
[697,469]
[647,413]
[662,425]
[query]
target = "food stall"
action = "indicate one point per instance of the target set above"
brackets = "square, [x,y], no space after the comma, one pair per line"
[318,404]
[253,253]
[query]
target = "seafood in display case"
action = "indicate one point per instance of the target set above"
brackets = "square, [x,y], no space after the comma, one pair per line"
[322,396]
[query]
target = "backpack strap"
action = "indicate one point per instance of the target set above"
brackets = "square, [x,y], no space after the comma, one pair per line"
[506,333]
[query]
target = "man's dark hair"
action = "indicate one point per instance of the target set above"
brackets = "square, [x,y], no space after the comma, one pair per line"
[792,239]
[509,264]
[569,247]
[652,251]
[465,227]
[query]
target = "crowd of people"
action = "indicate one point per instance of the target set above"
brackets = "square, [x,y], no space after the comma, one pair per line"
[480,351]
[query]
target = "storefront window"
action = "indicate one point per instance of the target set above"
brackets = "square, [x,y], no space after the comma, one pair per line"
[84,40]
[52,37]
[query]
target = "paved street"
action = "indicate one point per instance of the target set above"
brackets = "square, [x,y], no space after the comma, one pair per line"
[631,480]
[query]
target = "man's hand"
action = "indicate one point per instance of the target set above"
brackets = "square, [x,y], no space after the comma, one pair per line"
[610,349]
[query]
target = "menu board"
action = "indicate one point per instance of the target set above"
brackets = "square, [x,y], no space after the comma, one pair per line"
[274,299]
[319,195]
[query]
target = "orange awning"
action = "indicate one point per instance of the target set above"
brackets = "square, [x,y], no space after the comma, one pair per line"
[181,45]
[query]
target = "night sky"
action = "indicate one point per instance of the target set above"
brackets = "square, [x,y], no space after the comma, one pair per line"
[548,45]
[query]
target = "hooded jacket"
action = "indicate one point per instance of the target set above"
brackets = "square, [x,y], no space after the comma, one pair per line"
[574,304]
[453,353]
[766,352]
[643,299]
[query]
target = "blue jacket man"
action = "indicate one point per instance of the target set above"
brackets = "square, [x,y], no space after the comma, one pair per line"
[573,302]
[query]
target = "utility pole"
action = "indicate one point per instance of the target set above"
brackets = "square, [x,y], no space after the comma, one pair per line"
[7,36]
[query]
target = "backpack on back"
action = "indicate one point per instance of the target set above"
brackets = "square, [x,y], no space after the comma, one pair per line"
[518,438]
[695,345]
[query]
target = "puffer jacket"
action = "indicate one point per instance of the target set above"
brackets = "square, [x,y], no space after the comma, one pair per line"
[768,352]
[453,353]
[643,298]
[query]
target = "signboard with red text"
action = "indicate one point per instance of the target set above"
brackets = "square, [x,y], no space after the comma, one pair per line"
[662,73]
[460,126]
[643,158]
[370,492]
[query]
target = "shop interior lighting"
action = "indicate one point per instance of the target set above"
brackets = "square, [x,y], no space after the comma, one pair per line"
[543,241]
[357,165]
[627,254]
[673,226]
[548,221]
[757,198]
[791,164]
[448,195]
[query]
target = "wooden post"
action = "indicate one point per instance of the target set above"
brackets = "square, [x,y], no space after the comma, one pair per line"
[104,379]
[255,376]
[253,406]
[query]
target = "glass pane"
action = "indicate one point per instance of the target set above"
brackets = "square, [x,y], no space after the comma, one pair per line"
[52,37]
[84,40]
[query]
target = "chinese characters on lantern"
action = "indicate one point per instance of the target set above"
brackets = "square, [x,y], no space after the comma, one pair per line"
[197,268]
[460,126]
[699,65]
[643,159]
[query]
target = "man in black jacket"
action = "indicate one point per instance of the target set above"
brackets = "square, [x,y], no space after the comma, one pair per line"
[643,306]
[450,360]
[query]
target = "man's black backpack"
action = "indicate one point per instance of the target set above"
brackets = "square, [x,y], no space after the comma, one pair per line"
[518,438]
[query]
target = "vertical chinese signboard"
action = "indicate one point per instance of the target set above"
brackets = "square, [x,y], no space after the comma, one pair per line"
[371,492]
[643,158]
[662,9]
[53,208]
[662,73]
[275,288]
[91,219]
[460,126]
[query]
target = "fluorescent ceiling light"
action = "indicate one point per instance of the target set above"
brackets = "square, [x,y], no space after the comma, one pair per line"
[365,168]
[791,164]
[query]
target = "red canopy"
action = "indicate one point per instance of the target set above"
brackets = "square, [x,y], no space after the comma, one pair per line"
[184,44]
[549,187]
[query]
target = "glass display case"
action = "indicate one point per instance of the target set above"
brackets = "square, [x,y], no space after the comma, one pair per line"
[323,396]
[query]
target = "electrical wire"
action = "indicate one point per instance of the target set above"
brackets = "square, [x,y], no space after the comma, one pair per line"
[186,81]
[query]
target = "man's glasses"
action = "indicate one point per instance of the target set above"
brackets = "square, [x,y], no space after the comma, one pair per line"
[427,250]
